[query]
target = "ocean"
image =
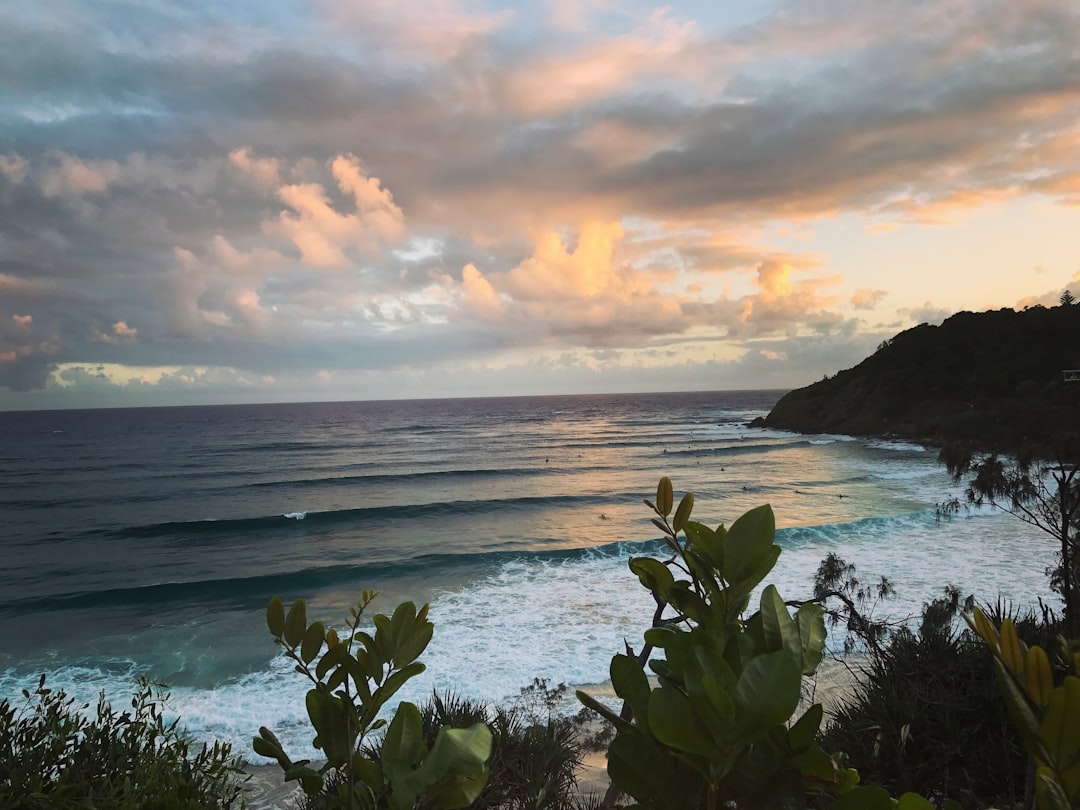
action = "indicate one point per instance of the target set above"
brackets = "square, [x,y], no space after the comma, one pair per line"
[148,541]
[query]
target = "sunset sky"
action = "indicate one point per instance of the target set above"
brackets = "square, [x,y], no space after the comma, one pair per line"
[246,201]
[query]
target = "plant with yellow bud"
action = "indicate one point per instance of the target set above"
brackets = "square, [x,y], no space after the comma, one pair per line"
[1046,715]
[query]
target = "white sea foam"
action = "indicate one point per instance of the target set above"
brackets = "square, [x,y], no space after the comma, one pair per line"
[564,619]
[907,447]
[295,515]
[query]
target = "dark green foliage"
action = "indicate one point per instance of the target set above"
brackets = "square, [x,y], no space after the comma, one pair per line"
[927,717]
[53,756]
[718,729]
[533,759]
[992,379]
[352,681]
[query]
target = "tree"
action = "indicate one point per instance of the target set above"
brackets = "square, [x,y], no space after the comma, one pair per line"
[1043,491]
[1067,299]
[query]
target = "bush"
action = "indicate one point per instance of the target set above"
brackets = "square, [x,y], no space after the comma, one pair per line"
[53,756]
[533,761]
[927,717]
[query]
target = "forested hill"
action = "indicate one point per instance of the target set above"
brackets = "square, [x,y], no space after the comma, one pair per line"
[993,379]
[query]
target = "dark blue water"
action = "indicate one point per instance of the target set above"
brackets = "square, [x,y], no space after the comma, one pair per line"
[149,540]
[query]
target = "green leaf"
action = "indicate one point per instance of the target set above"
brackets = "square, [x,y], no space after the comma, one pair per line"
[312,643]
[401,623]
[767,692]
[332,658]
[653,574]
[640,768]
[390,686]
[780,632]
[682,513]
[632,685]
[805,729]
[295,623]
[413,643]
[674,722]
[1060,731]
[275,617]
[404,740]
[454,774]
[718,698]
[665,496]
[748,546]
[705,542]
[812,634]
[1020,713]
[327,715]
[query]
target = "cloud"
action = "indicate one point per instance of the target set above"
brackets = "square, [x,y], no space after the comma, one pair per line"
[585,292]
[783,302]
[927,313]
[596,182]
[322,234]
[867,298]
[1050,298]
[555,84]
[74,177]
[264,172]
[119,332]
[14,168]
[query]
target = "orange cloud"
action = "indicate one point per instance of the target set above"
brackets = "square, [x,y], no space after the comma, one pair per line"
[119,332]
[586,290]
[265,172]
[322,234]
[73,177]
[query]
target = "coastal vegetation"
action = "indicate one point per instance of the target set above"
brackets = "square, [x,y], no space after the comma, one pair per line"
[55,755]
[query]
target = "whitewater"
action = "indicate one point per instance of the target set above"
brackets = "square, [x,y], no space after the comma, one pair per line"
[146,542]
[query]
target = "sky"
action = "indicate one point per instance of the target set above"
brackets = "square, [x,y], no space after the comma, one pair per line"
[207,202]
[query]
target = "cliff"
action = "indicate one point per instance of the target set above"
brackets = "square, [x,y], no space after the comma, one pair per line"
[990,379]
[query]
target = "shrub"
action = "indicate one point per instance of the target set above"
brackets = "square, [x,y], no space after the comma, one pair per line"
[53,756]
[927,717]
[352,680]
[533,760]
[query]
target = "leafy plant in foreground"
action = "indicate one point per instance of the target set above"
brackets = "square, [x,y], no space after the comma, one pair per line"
[1046,715]
[534,754]
[54,756]
[351,683]
[715,731]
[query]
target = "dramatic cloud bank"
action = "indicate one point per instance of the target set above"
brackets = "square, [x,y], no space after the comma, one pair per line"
[214,202]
